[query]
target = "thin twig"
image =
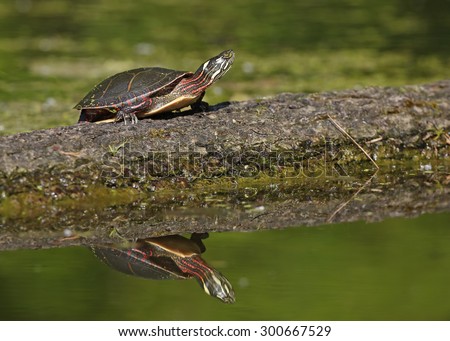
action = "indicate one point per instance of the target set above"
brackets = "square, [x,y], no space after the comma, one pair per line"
[378,139]
[73,154]
[352,139]
[352,197]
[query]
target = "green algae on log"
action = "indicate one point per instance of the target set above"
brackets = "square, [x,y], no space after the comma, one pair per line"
[207,168]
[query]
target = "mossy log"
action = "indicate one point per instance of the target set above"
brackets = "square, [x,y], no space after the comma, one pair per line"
[267,163]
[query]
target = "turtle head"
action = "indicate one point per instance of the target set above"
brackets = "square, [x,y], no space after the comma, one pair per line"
[212,281]
[214,68]
[215,284]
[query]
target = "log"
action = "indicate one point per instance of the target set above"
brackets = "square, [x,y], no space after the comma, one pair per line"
[267,163]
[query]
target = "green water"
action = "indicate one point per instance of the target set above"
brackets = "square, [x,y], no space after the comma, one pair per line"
[53,52]
[398,269]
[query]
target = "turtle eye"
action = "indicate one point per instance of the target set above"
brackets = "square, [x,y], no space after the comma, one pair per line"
[227,54]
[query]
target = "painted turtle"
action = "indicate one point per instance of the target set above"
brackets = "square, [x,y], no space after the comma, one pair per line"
[143,92]
[169,257]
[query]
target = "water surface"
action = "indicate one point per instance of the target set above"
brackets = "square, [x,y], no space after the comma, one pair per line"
[394,270]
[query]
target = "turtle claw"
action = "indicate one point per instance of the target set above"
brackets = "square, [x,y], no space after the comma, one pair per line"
[134,118]
[124,116]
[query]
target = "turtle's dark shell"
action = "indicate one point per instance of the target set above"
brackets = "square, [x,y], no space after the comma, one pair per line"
[150,257]
[139,261]
[129,85]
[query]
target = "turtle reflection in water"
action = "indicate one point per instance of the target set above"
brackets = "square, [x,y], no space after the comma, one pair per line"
[169,257]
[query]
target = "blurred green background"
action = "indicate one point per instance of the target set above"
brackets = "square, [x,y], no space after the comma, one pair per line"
[53,52]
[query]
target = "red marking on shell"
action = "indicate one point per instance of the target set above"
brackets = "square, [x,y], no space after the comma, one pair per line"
[131,81]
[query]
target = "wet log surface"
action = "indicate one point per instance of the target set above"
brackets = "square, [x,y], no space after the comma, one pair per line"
[262,164]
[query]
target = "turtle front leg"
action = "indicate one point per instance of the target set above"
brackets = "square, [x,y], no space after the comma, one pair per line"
[197,239]
[199,105]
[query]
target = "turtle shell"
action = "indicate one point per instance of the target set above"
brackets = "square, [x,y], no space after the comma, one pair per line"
[139,261]
[150,258]
[170,257]
[129,85]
